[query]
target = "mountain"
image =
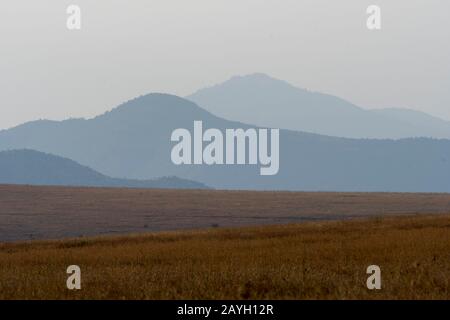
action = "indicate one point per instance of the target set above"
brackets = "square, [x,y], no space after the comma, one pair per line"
[37,168]
[268,102]
[436,126]
[133,141]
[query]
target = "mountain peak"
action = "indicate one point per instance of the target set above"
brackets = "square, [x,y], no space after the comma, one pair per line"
[151,105]
[258,80]
[254,83]
[253,76]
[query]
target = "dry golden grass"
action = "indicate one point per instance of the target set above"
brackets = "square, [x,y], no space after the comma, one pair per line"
[319,260]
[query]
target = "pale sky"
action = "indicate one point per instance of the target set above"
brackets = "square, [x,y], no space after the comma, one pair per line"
[127,48]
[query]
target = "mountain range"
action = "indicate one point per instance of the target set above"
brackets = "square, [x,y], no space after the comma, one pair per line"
[264,101]
[36,168]
[133,141]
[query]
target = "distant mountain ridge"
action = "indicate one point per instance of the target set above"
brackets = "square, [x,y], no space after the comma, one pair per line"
[264,101]
[132,141]
[36,168]
[418,119]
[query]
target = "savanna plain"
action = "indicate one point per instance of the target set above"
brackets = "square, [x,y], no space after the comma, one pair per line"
[313,259]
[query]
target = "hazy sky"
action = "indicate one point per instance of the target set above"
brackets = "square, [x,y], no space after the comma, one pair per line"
[128,48]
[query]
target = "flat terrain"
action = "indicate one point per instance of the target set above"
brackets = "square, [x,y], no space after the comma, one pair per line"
[29,213]
[311,260]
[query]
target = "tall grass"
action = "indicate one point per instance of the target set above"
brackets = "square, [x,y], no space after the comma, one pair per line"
[321,260]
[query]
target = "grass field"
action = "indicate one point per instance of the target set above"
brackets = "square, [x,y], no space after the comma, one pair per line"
[312,260]
[38,213]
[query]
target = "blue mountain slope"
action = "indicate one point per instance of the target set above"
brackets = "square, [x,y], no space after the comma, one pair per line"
[37,168]
[133,142]
[265,101]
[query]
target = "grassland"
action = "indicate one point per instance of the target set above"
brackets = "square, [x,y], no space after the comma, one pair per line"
[312,260]
[38,213]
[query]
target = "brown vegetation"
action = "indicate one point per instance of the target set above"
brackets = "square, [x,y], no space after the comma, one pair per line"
[313,260]
[30,213]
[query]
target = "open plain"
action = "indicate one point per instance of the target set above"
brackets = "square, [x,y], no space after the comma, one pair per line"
[36,213]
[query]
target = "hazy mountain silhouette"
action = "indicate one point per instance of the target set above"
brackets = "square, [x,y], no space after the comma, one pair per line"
[133,141]
[37,168]
[435,127]
[261,100]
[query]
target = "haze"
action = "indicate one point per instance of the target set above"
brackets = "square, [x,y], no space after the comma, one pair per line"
[128,48]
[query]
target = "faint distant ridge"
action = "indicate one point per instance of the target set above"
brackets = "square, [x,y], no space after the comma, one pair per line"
[265,101]
[37,168]
[416,118]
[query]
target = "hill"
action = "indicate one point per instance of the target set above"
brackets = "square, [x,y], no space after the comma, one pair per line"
[37,168]
[265,101]
[435,127]
[133,141]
